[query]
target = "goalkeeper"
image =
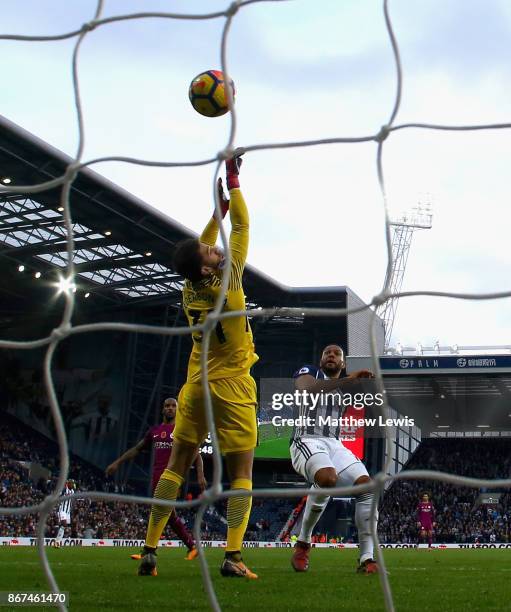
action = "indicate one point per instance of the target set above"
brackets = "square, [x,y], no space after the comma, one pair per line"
[230,356]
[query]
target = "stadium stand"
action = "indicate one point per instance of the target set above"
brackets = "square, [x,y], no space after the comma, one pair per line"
[25,454]
[462,514]
[29,467]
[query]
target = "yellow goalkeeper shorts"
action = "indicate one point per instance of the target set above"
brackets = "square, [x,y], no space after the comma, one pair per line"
[234,410]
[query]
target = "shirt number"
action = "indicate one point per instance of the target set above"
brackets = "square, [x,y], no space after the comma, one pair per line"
[196,319]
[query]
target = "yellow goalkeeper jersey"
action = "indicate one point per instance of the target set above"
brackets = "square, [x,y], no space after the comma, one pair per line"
[231,347]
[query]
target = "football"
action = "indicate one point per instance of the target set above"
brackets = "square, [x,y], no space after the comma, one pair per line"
[208,94]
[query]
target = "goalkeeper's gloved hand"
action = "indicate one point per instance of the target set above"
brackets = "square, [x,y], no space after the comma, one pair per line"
[232,167]
[224,202]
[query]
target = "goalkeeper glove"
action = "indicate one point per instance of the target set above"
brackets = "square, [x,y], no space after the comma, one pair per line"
[224,202]
[232,167]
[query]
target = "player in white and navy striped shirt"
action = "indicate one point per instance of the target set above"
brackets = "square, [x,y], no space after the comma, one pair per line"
[64,511]
[318,454]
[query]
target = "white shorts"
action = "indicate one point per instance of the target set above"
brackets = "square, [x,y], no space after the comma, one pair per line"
[312,453]
[65,517]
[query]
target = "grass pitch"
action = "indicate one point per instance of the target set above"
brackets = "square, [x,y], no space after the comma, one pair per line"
[273,445]
[105,579]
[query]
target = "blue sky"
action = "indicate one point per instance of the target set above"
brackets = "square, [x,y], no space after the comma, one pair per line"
[303,70]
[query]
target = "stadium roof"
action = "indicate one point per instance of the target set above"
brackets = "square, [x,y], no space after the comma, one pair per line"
[449,395]
[123,246]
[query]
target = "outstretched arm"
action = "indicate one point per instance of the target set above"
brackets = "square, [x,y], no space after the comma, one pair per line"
[131,453]
[199,466]
[238,240]
[210,234]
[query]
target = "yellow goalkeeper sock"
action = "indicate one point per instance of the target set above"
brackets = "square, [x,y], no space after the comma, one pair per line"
[167,488]
[238,512]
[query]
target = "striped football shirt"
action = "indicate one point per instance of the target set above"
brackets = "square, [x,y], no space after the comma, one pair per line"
[323,419]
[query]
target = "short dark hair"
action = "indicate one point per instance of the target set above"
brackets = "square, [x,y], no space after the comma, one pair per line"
[333,344]
[187,260]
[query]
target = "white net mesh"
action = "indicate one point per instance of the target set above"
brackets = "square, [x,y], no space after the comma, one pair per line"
[65,329]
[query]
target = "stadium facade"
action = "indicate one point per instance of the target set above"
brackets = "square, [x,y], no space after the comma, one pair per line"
[111,384]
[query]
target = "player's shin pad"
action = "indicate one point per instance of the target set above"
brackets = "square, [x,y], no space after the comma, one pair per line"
[363,523]
[314,508]
[238,512]
[167,488]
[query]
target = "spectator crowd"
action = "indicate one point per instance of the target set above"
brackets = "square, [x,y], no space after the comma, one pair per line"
[21,448]
[459,514]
